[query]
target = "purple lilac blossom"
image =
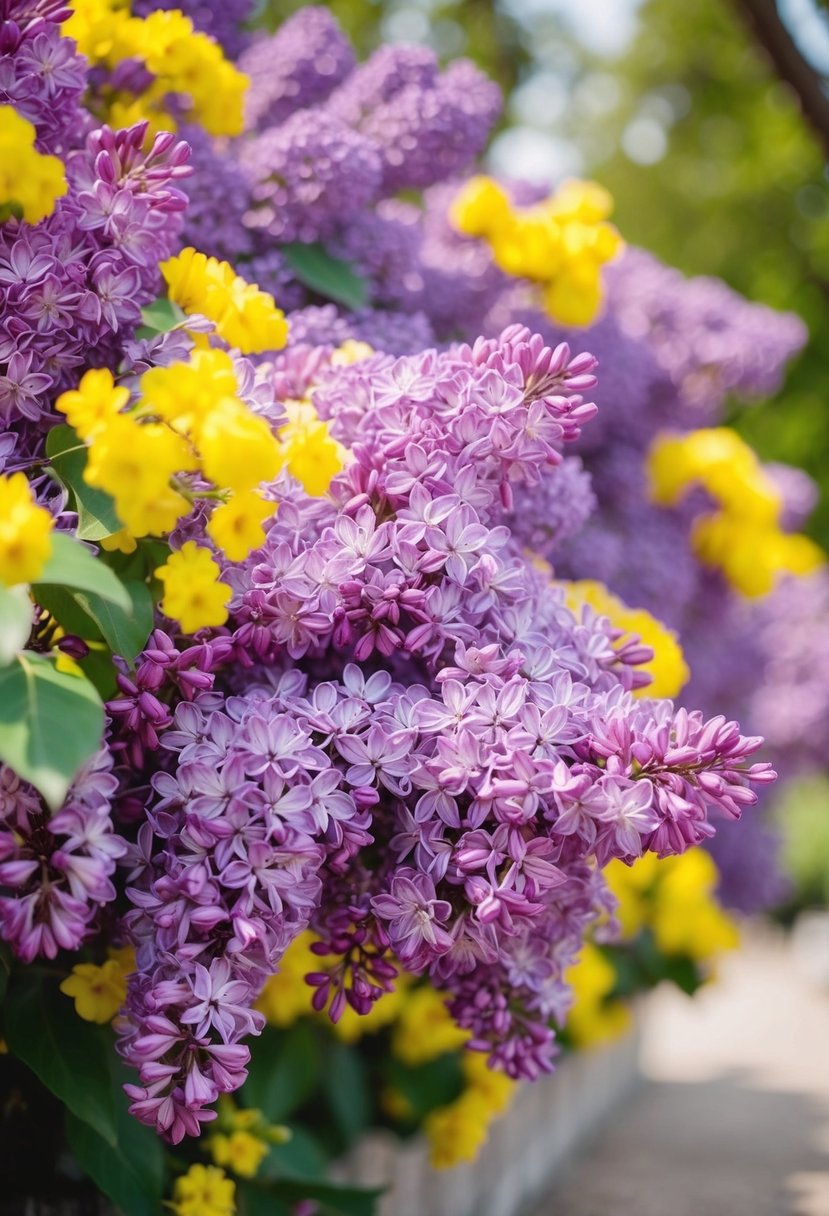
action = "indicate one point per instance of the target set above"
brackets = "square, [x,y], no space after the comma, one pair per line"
[427,124]
[307,176]
[403,739]
[294,68]
[56,869]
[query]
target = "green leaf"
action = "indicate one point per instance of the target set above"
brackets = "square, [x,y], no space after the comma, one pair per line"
[327,275]
[96,509]
[130,1172]
[161,316]
[71,565]
[334,1200]
[15,621]
[284,1070]
[50,724]
[90,617]
[346,1087]
[300,1157]
[68,1055]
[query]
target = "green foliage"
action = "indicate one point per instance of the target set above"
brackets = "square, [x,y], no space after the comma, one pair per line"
[94,618]
[346,1088]
[740,193]
[130,1172]
[96,509]
[326,275]
[273,1198]
[72,565]
[15,621]
[50,724]
[159,317]
[284,1070]
[802,818]
[70,1056]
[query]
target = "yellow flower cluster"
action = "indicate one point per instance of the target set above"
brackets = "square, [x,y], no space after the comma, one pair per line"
[457,1132]
[593,1017]
[242,1138]
[31,182]
[182,60]
[743,538]
[188,419]
[100,991]
[204,1191]
[312,455]
[424,1028]
[244,316]
[560,243]
[668,670]
[25,532]
[675,898]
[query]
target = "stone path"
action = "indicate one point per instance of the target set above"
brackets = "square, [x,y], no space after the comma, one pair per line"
[733,1119]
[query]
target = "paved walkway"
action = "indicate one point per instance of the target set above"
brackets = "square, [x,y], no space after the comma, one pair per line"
[734,1117]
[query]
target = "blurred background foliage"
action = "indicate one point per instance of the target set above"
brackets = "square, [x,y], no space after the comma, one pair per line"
[680,110]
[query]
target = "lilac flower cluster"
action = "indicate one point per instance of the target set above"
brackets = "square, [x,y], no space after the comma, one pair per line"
[73,285]
[56,870]
[297,67]
[41,74]
[428,125]
[418,751]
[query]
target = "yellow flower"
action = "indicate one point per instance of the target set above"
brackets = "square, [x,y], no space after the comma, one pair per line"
[310,452]
[204,1190]
[560,243]
[183,61]
[286,997]
[184,393]
[240,1151]
[425,1029]
[457,1132]
[29,180]
[481,208]
[193,595]
[236,525]
[91,407]
[121,541]
[25,532]
[244,316]
[593,1018]
[668,670]
[494,1088]
[237,447]
[98,992]
[351,351]
[675,897]
[752,557]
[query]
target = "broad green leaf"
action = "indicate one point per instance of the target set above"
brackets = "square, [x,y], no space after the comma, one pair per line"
[15,621]
[69,1056]
[284,1069]
[50,724]
[327,275]
[161,315]
[300,1157]
[346,1087]
[91,617]
[71,565]
[96,510]
[333,1200]
[130,1172]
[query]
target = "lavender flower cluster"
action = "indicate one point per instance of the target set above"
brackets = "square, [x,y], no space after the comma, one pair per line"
[417,750]
[73,285]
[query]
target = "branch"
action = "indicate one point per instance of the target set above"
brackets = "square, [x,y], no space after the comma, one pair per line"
[771,33]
